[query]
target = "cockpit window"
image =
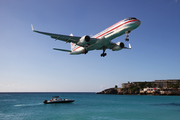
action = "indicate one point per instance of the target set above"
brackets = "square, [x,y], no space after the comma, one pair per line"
[129,19]
[132,18]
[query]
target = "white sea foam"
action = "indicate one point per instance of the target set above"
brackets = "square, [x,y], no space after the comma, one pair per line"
[20,105]
[28,104]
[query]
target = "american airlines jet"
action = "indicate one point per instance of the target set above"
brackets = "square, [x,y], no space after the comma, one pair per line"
[100,41]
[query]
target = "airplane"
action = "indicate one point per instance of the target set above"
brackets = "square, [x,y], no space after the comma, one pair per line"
[100,41]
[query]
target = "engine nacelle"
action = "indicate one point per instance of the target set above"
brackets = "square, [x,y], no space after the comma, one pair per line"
[118,46]
[84,40]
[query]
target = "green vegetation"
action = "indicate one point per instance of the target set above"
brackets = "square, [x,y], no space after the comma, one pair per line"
[133,88]
[124,89]
[144,84]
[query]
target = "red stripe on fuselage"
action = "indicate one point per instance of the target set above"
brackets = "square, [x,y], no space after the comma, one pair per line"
[116,27]
[76,48]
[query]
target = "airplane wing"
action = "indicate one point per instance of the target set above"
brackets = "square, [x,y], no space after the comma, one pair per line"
[65,38]
[111,45]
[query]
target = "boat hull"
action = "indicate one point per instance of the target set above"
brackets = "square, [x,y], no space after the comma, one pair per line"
[60,101]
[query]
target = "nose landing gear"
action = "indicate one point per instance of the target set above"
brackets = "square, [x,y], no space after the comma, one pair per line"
[127,35]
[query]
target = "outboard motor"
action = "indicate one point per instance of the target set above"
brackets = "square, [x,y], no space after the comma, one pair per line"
[45,101]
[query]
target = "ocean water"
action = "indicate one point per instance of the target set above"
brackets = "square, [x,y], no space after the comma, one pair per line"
[88,106]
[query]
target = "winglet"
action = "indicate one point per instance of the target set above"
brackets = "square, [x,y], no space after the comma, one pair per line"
[128,47]
[32,27]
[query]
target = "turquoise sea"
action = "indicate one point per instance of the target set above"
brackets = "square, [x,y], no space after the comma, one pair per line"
[88,106]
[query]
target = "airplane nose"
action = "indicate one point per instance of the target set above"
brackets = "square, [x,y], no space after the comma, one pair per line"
[138,23]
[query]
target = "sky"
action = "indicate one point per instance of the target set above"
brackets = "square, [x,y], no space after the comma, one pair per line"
[28,62]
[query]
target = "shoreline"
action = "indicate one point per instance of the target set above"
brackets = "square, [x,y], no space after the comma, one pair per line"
[118,91]
[47,92]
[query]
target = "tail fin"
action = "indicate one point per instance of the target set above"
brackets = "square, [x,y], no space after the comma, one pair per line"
[72,45]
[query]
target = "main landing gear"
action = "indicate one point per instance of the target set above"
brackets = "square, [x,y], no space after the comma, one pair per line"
[85,52]
[127,35]
[103,54]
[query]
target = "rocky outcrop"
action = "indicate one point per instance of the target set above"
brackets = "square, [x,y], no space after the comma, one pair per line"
[169,92]
[109,91]
[118,91]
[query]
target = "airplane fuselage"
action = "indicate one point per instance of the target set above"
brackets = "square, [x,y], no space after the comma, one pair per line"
[104,37]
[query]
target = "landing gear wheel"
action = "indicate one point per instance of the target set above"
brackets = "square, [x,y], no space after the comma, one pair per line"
[86,52]
[126,39]
[103,54]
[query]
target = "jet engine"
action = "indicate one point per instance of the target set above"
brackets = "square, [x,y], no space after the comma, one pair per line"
[84,40]
[118,46]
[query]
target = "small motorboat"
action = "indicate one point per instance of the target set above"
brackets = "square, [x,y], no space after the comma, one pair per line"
[57,99]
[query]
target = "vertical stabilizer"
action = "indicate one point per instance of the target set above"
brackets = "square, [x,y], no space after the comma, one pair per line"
[72,46]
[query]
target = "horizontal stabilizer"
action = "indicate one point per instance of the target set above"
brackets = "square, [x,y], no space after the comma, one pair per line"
[62,50]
